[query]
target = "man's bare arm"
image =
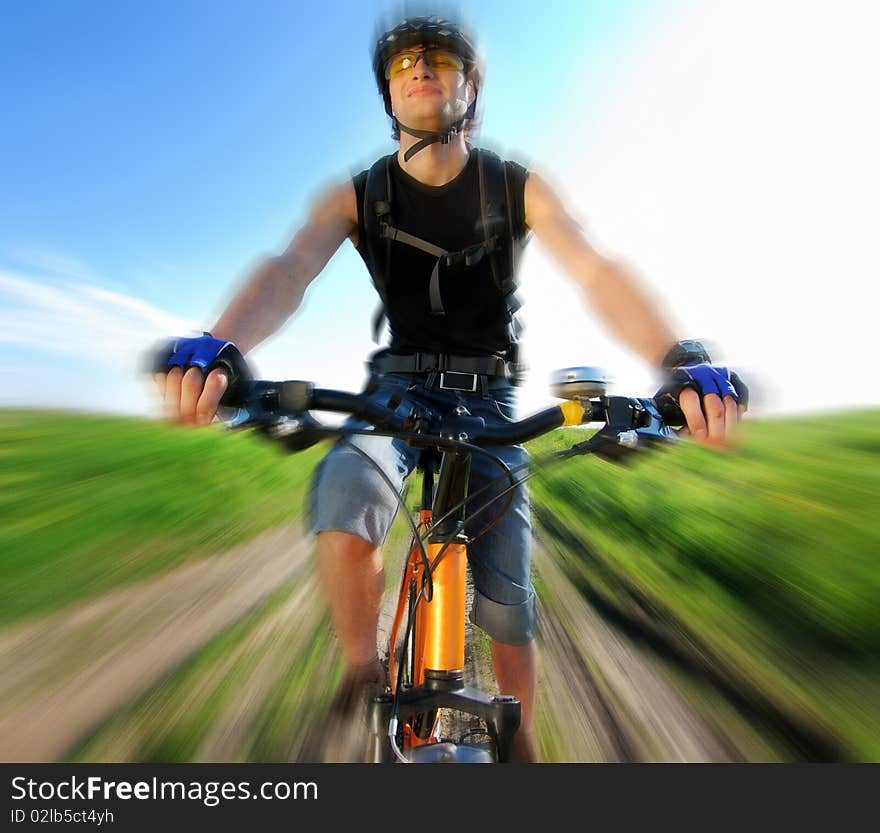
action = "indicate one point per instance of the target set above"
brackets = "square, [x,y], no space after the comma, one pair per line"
[269,296]
[275,289]
[631,314]
[616,295]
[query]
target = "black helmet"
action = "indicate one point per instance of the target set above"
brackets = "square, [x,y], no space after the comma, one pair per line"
[426,30]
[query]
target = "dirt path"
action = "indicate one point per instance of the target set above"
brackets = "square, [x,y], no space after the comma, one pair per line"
[66,672]
[602,698]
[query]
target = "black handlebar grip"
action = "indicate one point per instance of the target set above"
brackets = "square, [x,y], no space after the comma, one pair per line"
[238,374]
[670,412]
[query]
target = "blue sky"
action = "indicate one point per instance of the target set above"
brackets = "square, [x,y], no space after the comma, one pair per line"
[168,144]
[152,153]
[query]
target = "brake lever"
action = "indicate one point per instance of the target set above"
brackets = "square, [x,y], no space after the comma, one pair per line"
[295,433]
[300,433]
[296,430]
[631,424]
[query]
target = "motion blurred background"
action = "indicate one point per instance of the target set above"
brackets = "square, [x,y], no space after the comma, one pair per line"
[156,600]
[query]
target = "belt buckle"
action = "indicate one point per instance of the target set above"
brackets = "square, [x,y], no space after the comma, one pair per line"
[453,380]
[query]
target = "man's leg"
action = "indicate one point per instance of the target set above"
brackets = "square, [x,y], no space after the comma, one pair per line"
[516,670]
[504,604]
[350,573]
[352,578]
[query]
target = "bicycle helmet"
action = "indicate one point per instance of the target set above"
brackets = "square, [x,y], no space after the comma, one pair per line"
[437,32]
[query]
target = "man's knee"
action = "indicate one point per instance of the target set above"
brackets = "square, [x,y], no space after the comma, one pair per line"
[344,543]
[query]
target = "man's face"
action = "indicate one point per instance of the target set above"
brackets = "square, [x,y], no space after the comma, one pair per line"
[425,96]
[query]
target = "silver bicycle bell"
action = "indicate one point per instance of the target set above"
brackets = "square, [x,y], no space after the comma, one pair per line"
[578,383]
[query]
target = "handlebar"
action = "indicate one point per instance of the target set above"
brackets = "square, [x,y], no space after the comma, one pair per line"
[283,409]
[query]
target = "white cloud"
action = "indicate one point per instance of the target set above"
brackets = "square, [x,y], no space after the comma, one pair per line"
[83,343]
[43,259]
[78,319]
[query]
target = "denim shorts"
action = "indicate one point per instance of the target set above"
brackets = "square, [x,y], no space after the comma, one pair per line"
[349,495]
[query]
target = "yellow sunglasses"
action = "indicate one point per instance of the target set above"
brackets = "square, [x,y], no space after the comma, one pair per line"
[435,58]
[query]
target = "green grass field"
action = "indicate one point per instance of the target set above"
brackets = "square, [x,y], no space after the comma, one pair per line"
[88,503]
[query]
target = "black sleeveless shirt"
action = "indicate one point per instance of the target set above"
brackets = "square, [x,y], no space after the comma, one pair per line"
[476,319]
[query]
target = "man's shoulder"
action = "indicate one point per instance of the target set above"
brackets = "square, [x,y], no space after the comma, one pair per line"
[509,172]
[361,175]
[500,158]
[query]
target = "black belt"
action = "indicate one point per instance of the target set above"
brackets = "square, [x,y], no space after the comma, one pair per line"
[451,372]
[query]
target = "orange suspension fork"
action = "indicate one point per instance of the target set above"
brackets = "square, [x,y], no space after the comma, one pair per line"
[440,622]
[442,619]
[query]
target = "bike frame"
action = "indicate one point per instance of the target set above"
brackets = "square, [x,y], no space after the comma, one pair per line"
[436,631]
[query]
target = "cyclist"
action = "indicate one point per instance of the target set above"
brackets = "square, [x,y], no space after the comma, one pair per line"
[439,224]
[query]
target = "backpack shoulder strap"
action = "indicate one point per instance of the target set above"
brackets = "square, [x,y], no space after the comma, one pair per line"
[377,213]
[496,218]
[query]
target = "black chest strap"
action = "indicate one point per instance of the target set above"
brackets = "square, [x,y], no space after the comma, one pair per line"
[389,231]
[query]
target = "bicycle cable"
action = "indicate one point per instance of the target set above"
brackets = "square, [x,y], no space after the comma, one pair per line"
[581,448]
[345,433]
[421,540]
[398,685]
[440,442]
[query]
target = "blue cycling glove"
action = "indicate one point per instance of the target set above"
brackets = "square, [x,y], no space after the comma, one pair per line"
[689,366]
[207,353]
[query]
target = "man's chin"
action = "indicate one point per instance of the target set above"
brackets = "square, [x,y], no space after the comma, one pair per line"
[428,119]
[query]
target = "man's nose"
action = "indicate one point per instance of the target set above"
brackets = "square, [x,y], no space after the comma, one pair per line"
[425,68]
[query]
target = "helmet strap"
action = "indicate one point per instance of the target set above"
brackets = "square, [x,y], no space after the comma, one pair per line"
[429,137]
